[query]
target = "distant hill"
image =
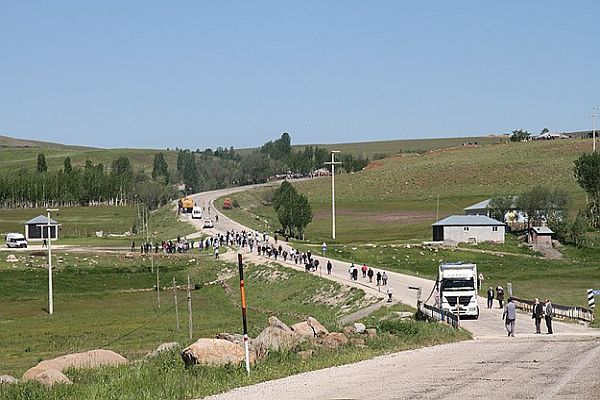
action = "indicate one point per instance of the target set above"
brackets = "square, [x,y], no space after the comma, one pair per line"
[7,141]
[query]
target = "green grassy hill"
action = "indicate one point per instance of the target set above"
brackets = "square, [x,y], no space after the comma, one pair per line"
[396,198]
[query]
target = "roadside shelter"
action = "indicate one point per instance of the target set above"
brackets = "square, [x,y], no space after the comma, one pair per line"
[35,231]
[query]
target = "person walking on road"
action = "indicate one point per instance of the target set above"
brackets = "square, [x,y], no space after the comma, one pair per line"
[389,292]
[480,280]
[548,313]
[363,269]
[370,275]
[509,316]
[500,296]
[378,278]
[538,313]
[384,278]
[329,266]
[490,297]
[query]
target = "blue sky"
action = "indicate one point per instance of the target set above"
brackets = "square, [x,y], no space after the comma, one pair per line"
[238,73]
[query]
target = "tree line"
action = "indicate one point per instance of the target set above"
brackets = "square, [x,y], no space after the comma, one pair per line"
[91,184]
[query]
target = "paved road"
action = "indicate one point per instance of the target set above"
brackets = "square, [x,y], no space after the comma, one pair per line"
[560,366]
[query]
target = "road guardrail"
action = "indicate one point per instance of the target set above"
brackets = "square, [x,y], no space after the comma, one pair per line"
[561,311]
[436,313]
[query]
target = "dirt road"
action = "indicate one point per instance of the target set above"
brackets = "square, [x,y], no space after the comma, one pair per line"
[560,366]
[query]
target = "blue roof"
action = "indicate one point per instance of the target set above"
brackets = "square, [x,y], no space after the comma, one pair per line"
[41,220]
[468,220]
[482,205]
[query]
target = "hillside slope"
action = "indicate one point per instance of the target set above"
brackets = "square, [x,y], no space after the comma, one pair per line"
[396,198]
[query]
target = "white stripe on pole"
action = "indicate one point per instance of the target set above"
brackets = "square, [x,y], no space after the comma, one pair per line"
[591,301]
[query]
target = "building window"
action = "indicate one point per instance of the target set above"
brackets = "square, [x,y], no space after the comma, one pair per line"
[494,229]
[466,228]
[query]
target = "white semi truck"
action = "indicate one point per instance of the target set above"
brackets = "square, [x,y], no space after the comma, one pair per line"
[457,283]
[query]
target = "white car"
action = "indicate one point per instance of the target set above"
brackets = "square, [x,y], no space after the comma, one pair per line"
[208,223]
[16,240]
[197,213]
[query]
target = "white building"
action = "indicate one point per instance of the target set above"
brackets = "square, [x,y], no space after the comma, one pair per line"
[468,229]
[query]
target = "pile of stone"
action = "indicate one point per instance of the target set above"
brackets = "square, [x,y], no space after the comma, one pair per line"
[228,348]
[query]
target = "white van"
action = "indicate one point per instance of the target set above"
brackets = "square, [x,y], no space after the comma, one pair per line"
[197,213]
[15,240]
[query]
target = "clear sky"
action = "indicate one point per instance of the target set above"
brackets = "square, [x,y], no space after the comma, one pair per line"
[203,74]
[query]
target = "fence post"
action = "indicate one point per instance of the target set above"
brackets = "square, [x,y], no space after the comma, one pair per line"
[176,305]
[189,307]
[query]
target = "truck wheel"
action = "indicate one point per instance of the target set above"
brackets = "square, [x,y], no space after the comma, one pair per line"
[477,316]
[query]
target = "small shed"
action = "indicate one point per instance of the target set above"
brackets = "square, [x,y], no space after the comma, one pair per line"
[35,231]
[468,229]
[541,236]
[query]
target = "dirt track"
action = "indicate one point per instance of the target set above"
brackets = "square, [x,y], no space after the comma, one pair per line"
[529,366]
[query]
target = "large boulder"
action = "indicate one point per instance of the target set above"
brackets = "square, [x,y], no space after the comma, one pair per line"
[309,328]
[276,339]
[214,352]
[259,350]
[276,323]
[7,380]
[333,340]
[88,359]
[164,347]
[50,377]
[359,328]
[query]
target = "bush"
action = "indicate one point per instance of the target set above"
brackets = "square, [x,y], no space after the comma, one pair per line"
[399,327]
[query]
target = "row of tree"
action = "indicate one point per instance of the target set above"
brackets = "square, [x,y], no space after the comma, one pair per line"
[93,183]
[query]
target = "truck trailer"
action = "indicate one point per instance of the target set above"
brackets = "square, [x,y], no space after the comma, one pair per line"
[457,288]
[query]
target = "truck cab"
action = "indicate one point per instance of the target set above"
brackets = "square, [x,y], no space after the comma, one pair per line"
[457,285]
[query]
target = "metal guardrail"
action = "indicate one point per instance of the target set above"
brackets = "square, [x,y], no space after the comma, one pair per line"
[438,314]
[569,312]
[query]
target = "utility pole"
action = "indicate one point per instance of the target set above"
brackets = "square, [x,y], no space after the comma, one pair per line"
[437,209]
[176,305]
[189,307]
[594,116]
[49,237]
[333,163]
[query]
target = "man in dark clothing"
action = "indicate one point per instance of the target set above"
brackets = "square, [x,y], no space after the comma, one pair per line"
[370,274]
[538,313]
[500,296]
[548,313]
[490,297]
[378,278]
[329,266]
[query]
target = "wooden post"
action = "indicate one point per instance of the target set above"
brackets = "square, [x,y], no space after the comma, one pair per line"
[244,320]
[189,307]
[157,287]
[176,305]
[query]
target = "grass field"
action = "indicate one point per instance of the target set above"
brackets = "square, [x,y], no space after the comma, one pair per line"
[101,302]
[104,301]
[80,224]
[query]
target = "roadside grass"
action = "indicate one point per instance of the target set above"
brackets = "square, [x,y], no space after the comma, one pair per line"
[109,301]
[165,377]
